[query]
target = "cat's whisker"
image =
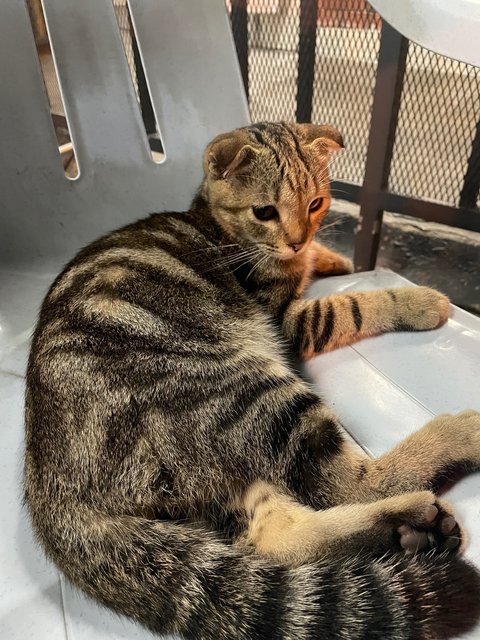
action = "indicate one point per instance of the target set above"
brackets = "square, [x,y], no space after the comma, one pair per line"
[227,260]
[329,231]
[335,223]
[231,260]
[242,264]
[329,236]
[248,253]
[324,183]
[335,191]
[324,174]
[257,265]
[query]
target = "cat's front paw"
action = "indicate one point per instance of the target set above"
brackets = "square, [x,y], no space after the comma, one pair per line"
[419,308]
[344,266]
[336,265]
[328,262]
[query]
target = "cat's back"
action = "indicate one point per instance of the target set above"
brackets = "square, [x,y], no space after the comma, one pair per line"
[138,341]
[156,284]
[148,309]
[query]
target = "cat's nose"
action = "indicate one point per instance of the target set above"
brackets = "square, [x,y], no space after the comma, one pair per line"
[296,246]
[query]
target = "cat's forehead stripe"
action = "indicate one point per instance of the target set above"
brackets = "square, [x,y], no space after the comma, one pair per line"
[298,148]
[294,166]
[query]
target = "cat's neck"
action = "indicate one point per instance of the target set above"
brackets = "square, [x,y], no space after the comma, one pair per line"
[202,209]
[200,202]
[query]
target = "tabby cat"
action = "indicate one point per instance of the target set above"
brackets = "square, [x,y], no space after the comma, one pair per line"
[180,471]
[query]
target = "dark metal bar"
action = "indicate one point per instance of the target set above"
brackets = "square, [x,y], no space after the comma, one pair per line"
[345,190]
[388,85]
[306,59]
[239,19]
[471,181]
[461,217]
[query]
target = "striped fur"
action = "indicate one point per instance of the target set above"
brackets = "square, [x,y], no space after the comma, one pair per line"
[177,468]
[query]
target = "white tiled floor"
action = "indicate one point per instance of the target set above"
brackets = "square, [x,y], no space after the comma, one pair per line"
[382,388]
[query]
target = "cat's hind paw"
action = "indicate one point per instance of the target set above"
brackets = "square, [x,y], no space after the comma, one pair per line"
[439,531]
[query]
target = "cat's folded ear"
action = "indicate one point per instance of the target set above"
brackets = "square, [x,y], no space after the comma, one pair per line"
[321,137]
[228,154]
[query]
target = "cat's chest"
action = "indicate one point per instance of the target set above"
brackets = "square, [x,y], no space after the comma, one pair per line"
[258,339]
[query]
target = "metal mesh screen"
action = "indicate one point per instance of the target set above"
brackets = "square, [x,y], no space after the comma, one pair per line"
[42,42]
[348,40]
[51,81]
[440,100]
[439,109]
[272,59]
[346,51]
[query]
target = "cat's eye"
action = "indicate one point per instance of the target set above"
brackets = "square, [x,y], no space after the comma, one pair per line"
[315,205]
[265,213]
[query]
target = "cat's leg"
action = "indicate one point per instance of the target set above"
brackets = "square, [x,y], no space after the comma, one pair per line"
[281,528]
[324,324]
[324,471]
[327,262]
[349,501]
[445,444]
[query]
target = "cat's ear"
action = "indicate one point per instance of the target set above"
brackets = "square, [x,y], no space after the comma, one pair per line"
[321,137]
[228,154]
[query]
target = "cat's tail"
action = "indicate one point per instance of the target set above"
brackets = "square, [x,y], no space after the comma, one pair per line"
[178,578]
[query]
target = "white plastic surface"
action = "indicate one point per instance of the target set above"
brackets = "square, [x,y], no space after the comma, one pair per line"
[448,27]
[382,388]
[385,387]
[196,90]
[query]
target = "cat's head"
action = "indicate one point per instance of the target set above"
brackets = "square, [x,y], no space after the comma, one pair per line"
[268,183]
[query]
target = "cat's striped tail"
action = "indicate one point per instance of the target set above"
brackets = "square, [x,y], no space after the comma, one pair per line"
[176,578]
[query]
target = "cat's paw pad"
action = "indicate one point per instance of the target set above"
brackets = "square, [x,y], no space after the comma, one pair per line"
[420,308]
[435,530]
